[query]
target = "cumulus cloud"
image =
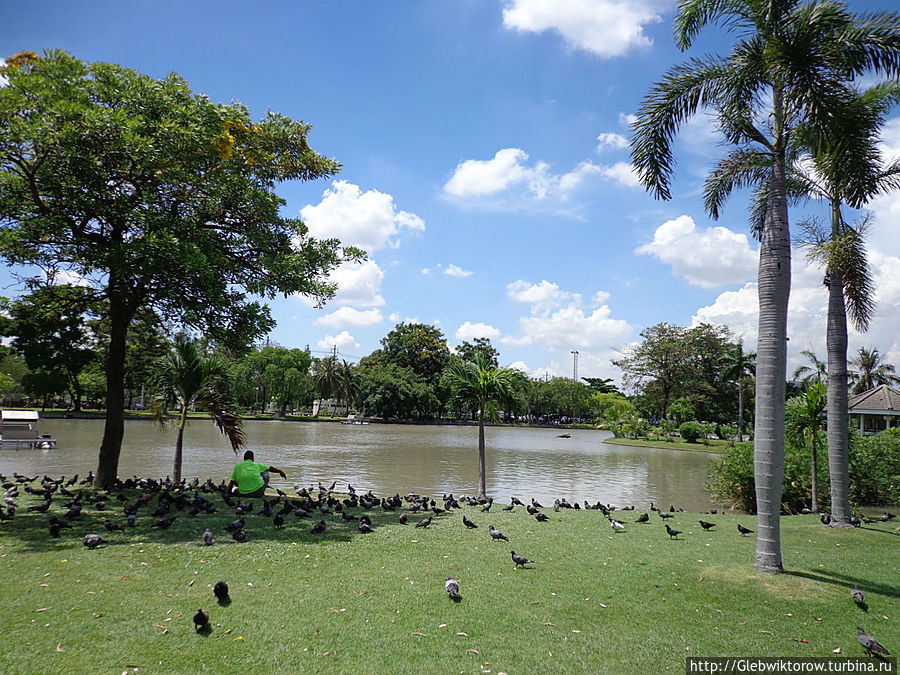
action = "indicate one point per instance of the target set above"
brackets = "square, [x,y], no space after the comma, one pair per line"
[622,173]
[343,340]
[607,28]
[350,316]
[457,271]
[707,258]
[359,284]
[469,331]
[542,296]
[369,220]
[611,141]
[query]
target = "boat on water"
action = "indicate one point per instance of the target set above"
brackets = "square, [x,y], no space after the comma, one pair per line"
[353,419]
[19,430]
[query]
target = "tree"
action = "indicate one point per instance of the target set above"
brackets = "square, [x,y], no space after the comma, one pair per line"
[477,386]
[347,383]
[273,373]
[325,379]
[804,422]
[481,345]
[389,391]
[603,385]
[188,379]
[418,346]
[737,365]
[790,64]
[154,196]
[816,371]
[871,370]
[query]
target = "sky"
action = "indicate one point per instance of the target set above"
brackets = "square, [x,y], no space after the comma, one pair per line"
[485,168]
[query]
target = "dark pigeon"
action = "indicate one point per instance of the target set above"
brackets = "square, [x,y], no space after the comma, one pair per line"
[706,526]
[520,559]
[235,525]
[239,536]
[858,598]
[643,518]
[318,528]
[220,590]
[403,519]
[112,526]
[165,523]
[93,540]
[201,620]
[468,523]
[425,522]
[673,534]
[364,527]
[540,516]
[870,644]
[496,534]
[744,530]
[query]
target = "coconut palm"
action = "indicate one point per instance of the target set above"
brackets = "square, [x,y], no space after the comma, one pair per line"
[475,385]
[737,366]
[815,371]
[347,384]
[790,65]
[325,379]
[189,380]
[804,422]
[871,370]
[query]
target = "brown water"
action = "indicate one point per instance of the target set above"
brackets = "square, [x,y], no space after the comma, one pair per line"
[387,458]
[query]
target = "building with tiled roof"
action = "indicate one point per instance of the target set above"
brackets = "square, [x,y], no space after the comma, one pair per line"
[876,409]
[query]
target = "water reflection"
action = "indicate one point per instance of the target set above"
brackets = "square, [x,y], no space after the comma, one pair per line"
[395,458]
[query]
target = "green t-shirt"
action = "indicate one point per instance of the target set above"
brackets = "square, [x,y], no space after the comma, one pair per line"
[246,475]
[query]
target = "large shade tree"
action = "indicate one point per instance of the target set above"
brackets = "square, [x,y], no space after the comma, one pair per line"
[153,196]
[790,65]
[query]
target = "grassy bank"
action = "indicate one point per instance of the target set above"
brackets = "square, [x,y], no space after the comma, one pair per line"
[594,601]
[712,445]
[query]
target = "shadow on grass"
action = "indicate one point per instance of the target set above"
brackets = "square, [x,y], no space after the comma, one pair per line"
[30,529]
[835,579]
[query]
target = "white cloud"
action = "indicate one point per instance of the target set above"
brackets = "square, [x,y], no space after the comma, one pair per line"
[3,80]
[607,28]
[622,173]
[470,331]
[369,220]
[706,258]
[611,141]
[457,271]
[484,177]
[343,340]
[359,284]
[349,316]
[543,296]
[520,365]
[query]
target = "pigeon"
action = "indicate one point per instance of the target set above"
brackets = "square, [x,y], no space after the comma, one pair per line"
[617,525]
[239,536]
[673,534]
[664,515]
[706,526]
[235,525]
[520,559]
[132,519]
[468,523]
[858,598]
[54,530]
[869,643]
[93,540]
[496,534]
[643,518]
[207,537]
[318,528]
[744,530]
[452,588]
[40,508]
[165,523]
[112,526]
[488,505]
[364,527]
[403,519]
[425,522]
[540,516]
[201,620]
[220,590]
[278,521]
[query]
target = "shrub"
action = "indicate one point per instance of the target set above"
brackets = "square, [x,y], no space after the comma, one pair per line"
[875,469]
[691,431]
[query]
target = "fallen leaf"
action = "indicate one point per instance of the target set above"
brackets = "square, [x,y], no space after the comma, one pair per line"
[767,632]
[463,634]
[575,631]
[701,578]
[227,631]
[803,640]
[536,602]
[415,632]
[547,623]
[743,623]
[40,609]
[239,637]
[602,605]
[326,654]
[443,625]
[472,651]
[192,583]
[59,646]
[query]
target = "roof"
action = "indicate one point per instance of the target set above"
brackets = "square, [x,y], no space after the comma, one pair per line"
[19,415]
[880,399]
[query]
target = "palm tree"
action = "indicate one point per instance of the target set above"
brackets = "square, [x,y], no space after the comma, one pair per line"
[325,379]
[816,371]
[347,383]
[737,365]
[791,65]
[475,385]
[872,370]
[188,379]
[804,421]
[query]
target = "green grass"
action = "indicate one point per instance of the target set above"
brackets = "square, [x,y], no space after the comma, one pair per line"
[593,602]
[712,445]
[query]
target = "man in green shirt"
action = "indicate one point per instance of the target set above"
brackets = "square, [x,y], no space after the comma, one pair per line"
[251,478]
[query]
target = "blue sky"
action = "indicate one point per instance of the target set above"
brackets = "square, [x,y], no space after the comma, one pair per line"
[485,167]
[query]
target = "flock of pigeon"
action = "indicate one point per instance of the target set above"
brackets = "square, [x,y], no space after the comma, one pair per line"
[190,499]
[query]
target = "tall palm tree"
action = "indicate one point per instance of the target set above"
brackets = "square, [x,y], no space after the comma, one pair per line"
[475,385]
[188,379]
[737,366]
[325,379]
[790,65]
[871,370]
[804,421]
[815,371]
[347,383]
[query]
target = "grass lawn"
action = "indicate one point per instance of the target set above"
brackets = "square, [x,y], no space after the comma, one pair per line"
[713,445]
[341,602]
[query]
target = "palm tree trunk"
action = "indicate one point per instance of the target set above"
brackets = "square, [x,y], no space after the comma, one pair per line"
[179,444]
[771,364]
[836,412]
[740,410]
[814,505]
[482,469]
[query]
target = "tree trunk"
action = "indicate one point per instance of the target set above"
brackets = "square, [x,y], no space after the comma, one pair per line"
[179,445]
[814,505]
[482,470]
[114,430]
[740,409]
[836,410]
[771,363]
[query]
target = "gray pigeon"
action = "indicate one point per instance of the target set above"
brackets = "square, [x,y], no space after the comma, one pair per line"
[858,598]
[496,534]
[869,643]
[452,588]
[93,540]
[520,559]
[239,536]
[207,537]
[318,528]
[425,522]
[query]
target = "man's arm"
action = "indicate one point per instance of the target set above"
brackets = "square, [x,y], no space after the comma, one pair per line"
[231,485]
[278,471]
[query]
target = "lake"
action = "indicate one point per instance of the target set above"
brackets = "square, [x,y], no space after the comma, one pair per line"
[388,458]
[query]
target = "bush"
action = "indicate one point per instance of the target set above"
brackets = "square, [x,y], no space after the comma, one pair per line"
[874,475]
[691,431]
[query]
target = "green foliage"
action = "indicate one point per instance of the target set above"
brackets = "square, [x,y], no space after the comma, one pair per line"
[275,374]
[482,345]
[682,410]
[419,347]
[394,392]
[875,468]
[611,407]
[560,396]
[691,431]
